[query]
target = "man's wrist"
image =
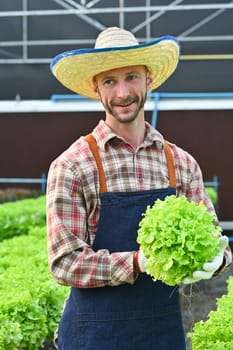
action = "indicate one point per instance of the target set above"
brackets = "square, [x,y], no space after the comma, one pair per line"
[221,268]
[136,262]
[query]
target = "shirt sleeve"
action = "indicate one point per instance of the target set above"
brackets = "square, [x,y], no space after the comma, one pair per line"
[70,234]
[190,183]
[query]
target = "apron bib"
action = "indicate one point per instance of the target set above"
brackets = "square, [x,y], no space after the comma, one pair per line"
[145,315]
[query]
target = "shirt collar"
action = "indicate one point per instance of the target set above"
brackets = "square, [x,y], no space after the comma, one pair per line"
[103,134]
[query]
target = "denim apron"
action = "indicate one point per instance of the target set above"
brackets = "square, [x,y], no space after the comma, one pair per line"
[145,315]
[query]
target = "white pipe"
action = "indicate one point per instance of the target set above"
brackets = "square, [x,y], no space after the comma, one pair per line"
[25,32]
[114,10]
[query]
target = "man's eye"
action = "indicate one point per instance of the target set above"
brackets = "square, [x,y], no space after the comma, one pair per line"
[108,82]
[132,77]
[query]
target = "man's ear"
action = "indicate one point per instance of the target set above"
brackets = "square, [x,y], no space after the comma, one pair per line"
[95,88]
[149,81]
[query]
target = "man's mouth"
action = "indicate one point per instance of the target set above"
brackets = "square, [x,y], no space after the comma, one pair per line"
[125,104]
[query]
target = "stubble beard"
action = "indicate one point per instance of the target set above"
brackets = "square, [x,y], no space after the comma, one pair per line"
[131,116]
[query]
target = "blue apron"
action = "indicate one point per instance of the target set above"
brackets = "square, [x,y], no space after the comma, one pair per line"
[145,315]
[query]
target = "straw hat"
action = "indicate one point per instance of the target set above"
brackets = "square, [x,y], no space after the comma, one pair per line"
[115,48]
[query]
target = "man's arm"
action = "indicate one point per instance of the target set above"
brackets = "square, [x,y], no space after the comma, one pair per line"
[71,230]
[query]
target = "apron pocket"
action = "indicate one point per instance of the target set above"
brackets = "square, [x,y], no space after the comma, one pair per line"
[130,331]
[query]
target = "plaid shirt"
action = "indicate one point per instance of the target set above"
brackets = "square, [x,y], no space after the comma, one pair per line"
[73,202]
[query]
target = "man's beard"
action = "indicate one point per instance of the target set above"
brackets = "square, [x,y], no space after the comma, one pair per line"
[132,116]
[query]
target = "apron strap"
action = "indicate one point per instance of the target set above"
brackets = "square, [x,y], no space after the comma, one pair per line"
[170,164]
[103,187]
[94,149]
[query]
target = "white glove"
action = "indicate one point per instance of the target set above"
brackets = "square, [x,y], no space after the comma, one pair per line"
[209,268]
[140,261]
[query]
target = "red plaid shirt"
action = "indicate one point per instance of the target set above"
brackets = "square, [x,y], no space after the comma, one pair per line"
[73,203]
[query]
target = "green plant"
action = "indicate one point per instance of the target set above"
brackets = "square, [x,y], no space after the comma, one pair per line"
[16,218]
[14,194]
[212,193]
[217,332]
[177,237]
[30,301]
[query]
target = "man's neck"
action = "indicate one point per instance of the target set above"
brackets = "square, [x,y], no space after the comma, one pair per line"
[133,133]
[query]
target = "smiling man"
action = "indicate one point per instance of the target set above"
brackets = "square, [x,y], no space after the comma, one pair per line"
[123,92]
[98,190]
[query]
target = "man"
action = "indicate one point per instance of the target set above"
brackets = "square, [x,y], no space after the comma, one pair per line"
[97,192]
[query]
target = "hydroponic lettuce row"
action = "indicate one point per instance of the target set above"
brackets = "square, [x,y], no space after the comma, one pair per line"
[177,237]
[31,301]
[217,332]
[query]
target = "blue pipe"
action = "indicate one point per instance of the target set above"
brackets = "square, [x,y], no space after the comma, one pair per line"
[42,181]
[58,97]
[213,183]
[160,95]
[192,94]
[154,117]
[155,95]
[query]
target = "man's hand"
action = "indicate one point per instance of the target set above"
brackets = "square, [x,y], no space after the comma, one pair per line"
[210,268]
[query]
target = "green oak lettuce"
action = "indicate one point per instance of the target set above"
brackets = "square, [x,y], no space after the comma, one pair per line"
[177,237]
[216,333]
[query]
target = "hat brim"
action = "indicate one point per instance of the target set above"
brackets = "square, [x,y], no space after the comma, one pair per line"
[76,69]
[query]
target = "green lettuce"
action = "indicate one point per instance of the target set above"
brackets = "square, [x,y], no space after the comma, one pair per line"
[177,237]
[216,333]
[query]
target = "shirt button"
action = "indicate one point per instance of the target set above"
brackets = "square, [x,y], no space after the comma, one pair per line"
[159,145]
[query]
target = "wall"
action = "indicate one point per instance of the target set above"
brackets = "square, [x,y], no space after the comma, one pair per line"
[29,142]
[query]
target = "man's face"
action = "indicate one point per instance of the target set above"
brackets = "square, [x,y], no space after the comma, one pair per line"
[123,92]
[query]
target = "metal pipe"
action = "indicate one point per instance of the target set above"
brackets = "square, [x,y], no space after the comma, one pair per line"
[121,14]
[203,22]
[205,38]
[192,94]
[68,5]
[155,16]
[154,117]
[24,61]
[114,10]
[156,96]
[208,57]
[25,32]
[47,42]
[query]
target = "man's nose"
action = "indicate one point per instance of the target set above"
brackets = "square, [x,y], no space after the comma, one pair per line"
[123,90]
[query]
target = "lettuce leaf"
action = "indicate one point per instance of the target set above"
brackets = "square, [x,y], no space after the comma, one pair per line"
[177,237]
